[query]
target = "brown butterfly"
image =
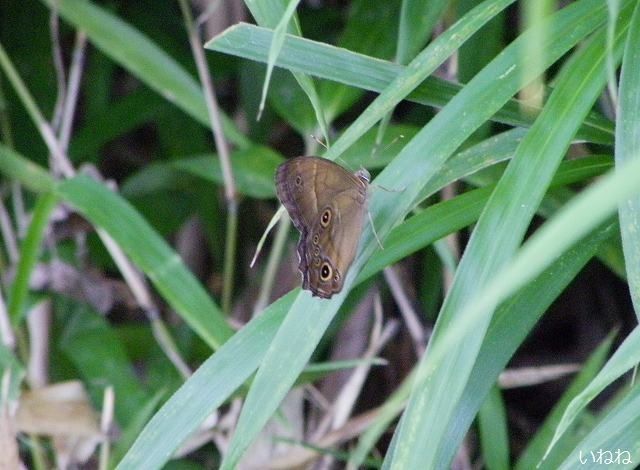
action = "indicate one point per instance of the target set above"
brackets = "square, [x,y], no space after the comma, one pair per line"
[327,205]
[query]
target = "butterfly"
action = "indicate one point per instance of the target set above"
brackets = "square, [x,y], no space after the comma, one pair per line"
[327,204]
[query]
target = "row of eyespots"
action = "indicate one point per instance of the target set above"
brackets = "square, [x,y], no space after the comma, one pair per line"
[325,271]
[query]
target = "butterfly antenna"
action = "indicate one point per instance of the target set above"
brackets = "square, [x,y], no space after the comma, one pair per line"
[397,138]
[376,147]
[319,141]
[373,229]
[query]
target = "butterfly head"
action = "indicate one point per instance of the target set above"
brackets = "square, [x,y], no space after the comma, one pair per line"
[363,175]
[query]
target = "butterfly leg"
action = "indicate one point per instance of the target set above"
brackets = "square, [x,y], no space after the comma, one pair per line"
[373,229]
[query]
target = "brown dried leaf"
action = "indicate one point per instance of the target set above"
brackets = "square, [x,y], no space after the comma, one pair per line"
[62,411]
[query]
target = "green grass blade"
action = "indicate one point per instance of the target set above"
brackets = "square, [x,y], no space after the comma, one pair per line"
[318,370]
[373,74]
[417,20]
[615,437]
[427,227]
[29,252]
[495,149]
[492,426]
[583,214]
[150,253]
[372,152]
[142,58]
[437,391]
[625,357]
[269,13]
[628,147]
[572,223]
[532,455]
[279,33]
[454,214]
[509,327]
[214,381]
[283,362]
[18,168]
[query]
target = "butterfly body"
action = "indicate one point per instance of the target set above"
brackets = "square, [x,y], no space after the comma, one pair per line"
[327,205]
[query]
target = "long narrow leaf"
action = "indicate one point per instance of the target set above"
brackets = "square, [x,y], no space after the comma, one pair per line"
[29,252]
[583,214]
[279,34]
[532,455]
[625,357]
[358,70]
[269,13]
[628,147]
[509,327]
[614,441]
[494,437]
[18,168]
[451,215]
[417,20]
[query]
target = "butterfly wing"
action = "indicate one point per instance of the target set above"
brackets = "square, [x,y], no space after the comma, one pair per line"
[326,204]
